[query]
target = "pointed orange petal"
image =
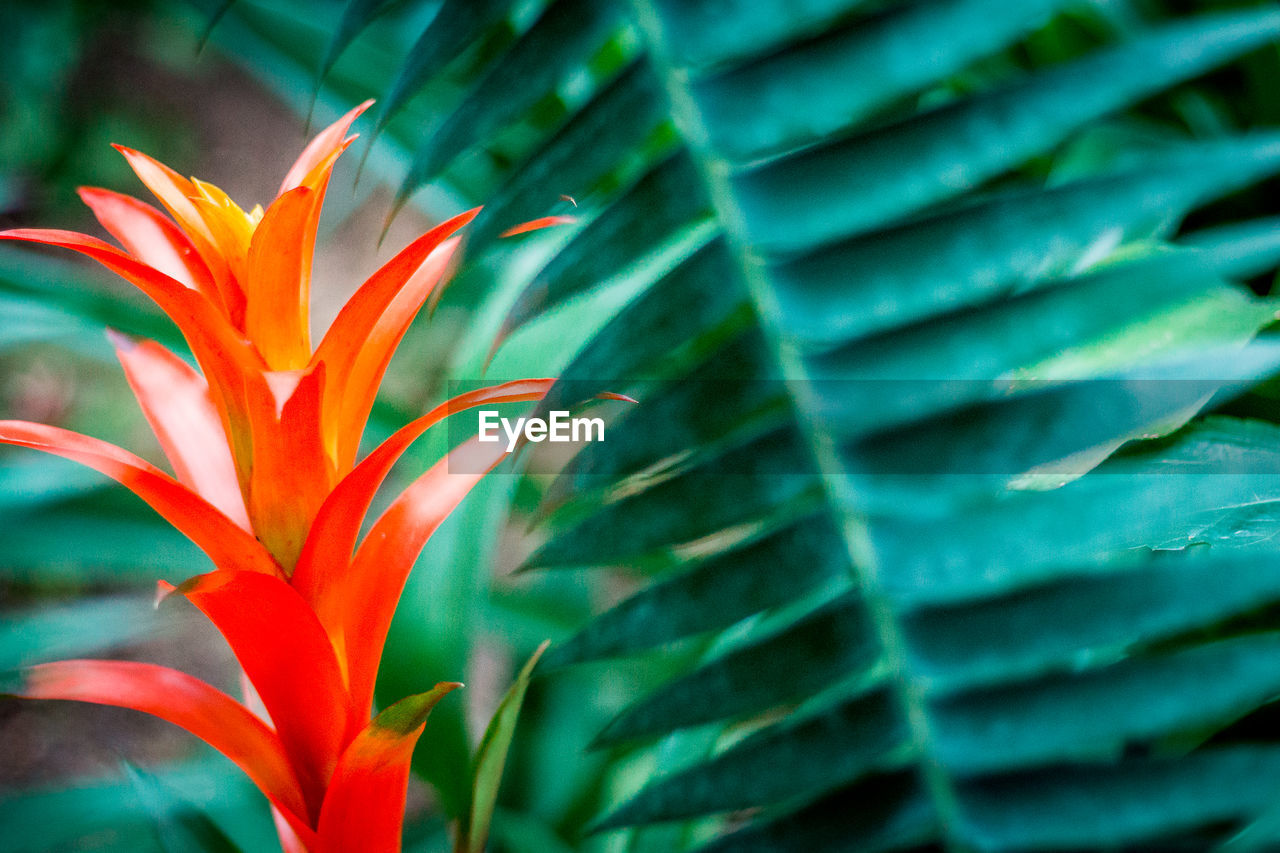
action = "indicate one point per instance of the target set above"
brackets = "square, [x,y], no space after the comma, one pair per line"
[332,539]
[375,352]
[277,317]
[228,545]
[287,656]
[175,400]
[538,224]
[372,586]
[185,701]
[151,237]
[227,359]
[364,808]
[359,344]
[230,233]
[291,473]
[175,193]
[325,143]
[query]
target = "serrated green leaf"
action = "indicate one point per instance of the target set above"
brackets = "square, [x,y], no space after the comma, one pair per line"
[666,200]
[1079,620]
[865,182]
[819,86]
[1138,800]
[716,592]
[573,161]
[563,36]
[457,24]
[882,813]
[677,321]
[706,33]
[816,752]
[1092,715]
[836,642]
[890,278]
[742,486]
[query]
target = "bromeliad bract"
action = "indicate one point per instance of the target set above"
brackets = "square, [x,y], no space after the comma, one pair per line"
[263,442]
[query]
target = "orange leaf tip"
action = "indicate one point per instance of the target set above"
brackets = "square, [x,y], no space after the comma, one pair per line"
[538,224]
[164,589]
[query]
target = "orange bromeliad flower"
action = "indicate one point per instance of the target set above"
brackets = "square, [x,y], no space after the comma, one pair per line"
[266,481]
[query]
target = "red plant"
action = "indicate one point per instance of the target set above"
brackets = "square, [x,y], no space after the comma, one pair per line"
[266,481]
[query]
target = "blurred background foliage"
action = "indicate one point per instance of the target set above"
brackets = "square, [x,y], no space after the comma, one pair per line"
[769,192]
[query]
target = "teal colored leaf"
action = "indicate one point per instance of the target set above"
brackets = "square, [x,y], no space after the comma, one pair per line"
[674,322]
[836,642]
[716,592]
[854,185]
[665,201]
[458,23]
[881,813]
[1139,800]
[574,161]
[804,755]
[357,15]
[566,33]
[1083,619]
[819,86]
[890,278]
[707,33]
[1242,249]
[739,487]
[1094,715]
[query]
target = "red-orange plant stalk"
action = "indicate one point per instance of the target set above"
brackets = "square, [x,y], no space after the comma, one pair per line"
[266,481]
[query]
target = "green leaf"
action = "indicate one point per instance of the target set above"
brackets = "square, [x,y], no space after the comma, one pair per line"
[836,642]
[576,159]
[881,813]
[1140,800]
[458,23]
[893,379]
[850,186]
[714,593]
[819,86]
[356,16]
[804,755]
[742,486]
[1094,715]
[82,628]
[1049,429]
[178,825]
[658,435]
[566,33]
[1242,249]
[675,322]
[1082,620]
[491,758]
[876,282]
[707,33]
[665,201]
[1037,537]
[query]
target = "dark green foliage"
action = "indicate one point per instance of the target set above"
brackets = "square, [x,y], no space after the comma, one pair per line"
[941,544]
